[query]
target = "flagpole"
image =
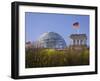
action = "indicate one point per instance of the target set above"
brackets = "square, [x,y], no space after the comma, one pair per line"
[76,26]
[77,31]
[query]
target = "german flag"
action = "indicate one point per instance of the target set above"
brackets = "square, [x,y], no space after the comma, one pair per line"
[76,25]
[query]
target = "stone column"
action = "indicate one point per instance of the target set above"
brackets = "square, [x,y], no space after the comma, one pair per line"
[84,41]
[73,41]
[81,41]
[77,42]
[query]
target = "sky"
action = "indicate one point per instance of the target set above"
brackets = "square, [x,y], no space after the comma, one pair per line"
[38,23]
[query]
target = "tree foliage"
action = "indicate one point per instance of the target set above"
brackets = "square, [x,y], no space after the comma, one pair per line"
[44,57]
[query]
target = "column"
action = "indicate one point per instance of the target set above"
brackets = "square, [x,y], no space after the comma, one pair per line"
[81,42]
[73,41]
[84,42]
[77,42]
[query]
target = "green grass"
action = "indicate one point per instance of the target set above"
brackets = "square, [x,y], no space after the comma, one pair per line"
[42,57]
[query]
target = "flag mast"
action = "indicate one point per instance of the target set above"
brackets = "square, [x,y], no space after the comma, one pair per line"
[76,26]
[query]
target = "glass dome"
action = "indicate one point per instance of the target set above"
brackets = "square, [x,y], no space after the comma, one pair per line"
[52,40]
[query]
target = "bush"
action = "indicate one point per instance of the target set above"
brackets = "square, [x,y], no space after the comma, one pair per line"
[42,57]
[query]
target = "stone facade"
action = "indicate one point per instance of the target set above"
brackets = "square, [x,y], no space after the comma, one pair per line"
[78,39]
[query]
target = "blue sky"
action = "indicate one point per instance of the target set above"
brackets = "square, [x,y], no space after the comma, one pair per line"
[38,23]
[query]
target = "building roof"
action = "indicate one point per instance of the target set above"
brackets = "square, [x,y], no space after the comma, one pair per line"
[52,40]
[78,36]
